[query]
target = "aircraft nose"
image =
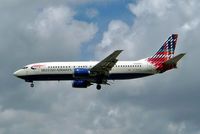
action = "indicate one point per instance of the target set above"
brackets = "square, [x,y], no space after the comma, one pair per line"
[17,73]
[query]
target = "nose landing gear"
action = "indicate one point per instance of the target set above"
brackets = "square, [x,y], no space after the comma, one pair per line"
[31,81]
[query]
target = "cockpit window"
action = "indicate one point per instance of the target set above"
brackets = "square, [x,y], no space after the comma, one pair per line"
[24,67]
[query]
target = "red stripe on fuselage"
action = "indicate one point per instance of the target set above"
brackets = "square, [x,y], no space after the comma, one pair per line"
[38,65]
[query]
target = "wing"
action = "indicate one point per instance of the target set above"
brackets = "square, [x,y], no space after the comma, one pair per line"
[104,66]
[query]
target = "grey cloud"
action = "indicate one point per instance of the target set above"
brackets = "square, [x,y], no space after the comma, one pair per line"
[56,30]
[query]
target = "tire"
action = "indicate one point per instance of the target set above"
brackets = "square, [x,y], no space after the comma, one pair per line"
[98,87]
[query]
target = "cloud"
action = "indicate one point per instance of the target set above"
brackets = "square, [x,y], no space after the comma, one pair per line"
[154,7]
[91,12]
[55,29]
[190,25]
[118,36]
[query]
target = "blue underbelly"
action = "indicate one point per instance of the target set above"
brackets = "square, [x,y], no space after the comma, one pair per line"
[127,75]
[113,76]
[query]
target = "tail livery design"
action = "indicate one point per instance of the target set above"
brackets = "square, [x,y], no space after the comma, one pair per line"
[164,59]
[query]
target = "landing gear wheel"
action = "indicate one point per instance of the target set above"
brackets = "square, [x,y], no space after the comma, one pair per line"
[32,85]
[98,87]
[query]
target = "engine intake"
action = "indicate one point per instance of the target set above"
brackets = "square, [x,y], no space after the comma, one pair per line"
[81,84]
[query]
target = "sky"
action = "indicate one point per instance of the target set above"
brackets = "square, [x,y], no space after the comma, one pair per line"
[77,30]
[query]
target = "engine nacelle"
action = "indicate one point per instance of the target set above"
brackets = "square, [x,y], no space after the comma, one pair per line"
[81,73]
[80,84]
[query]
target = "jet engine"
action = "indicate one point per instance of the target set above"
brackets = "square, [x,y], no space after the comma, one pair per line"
[81,73]
[80,84]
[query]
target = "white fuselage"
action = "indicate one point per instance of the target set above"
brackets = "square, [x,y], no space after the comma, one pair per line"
[65,70]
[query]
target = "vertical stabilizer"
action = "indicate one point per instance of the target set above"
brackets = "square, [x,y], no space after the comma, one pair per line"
[165,53]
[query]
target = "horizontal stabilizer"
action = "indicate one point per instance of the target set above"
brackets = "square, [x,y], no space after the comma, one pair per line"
[174,60]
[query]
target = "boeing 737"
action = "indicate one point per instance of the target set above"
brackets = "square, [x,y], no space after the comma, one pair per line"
[85,74]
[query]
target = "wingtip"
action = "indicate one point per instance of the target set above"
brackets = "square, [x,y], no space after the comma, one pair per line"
[119,50]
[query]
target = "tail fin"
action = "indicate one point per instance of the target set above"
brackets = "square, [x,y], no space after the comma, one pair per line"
[165,53]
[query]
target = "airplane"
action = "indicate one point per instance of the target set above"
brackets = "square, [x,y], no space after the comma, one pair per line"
[85,74]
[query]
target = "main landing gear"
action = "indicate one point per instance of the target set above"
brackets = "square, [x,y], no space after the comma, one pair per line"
[98,87]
